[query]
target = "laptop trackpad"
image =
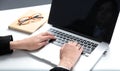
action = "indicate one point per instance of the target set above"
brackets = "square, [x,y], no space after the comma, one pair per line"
[49,53]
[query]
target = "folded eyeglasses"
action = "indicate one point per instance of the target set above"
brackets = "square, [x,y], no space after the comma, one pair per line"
[26,20]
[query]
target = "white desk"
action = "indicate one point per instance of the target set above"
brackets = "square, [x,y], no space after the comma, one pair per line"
[22,61]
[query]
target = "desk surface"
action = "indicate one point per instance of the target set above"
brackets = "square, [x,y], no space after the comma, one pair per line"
[19,60]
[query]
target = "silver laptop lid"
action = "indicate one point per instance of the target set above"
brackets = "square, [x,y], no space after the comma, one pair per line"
[92,18]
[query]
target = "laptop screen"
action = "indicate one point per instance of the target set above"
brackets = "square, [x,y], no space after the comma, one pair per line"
[93,18]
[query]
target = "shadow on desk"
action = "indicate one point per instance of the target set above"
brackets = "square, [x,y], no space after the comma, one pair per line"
[15,55]
[23,54]
[21,61]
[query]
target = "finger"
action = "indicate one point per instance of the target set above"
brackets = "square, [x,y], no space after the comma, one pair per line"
[70,42]
[46,38]
[81,49]
[79,46]
[43,43]
[75,43]
[46,34]
[61,50]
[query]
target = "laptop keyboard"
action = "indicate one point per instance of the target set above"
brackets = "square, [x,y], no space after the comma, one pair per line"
[62,38]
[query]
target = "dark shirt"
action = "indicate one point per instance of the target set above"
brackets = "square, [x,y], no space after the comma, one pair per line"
[58,69]
[5,45]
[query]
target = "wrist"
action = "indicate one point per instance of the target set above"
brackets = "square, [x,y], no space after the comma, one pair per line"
[63,67]
[15,45]
[65,64]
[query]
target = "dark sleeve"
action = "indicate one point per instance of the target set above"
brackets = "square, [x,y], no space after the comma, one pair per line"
[5,45]
[58,69]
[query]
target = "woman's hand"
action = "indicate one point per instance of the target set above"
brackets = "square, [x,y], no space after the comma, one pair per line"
[69,54]
[33,42]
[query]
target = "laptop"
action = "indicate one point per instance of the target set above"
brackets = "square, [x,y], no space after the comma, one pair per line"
[79,20]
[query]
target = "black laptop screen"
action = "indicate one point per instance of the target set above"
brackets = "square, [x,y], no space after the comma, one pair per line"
[92,18]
